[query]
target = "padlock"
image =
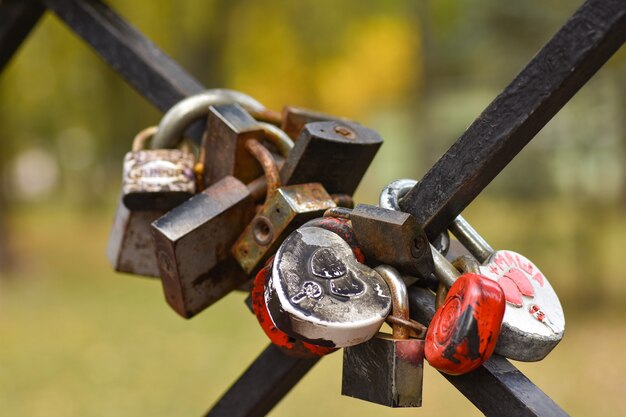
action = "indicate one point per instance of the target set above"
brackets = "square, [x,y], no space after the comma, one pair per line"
[387,369]
[335,154]
[284,210]
[375,227]
[194,239]
[319,293]
[223,151]
[295,118]
[156,179]
[131,247]
[464,330]
[534,322]
[289,345]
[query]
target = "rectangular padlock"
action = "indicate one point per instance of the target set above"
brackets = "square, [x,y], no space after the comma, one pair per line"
[223,153]
[335,154]
[131,247]
[157,179]
[295,118]
[285,211]
[387,369]
[193,246]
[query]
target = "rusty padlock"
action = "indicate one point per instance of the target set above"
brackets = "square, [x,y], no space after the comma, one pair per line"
[388,369]
[295,118]
[194,240]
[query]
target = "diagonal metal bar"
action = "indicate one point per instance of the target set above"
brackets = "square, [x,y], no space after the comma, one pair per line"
[148,69]
[17,19]
[262,385]
[553,76]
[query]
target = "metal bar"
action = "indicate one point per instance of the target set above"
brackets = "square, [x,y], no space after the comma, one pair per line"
[553,76]
[497,388]
[148,69]
[17,19]
[270,377]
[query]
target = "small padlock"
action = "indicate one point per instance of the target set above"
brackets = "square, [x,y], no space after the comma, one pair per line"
[223,151]
[156,179]
[283,211]
[289,345]
[131,247]
[534,322]
[388,369]
[464,330]
[335,154]
[295,118]
[319,293]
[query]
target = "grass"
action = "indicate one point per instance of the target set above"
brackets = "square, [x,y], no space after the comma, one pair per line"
[77,339]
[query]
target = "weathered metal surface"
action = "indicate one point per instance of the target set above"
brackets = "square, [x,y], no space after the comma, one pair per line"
[193,242]
[223,151]
[17,19]
[335,154]
[318,291]
[156,179]
[286,210]
[392,237]
[294,119]
[268,379]
[553,76]
[387,369]
[534,322]
[131,248]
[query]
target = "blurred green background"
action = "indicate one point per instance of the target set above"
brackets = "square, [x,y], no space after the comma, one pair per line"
[76,339]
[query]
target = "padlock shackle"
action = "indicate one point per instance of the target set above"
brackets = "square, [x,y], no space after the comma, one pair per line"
[469,237]
[444,271]
[399,299]
[180,116]
[278,137]
[270,169]
[141,138]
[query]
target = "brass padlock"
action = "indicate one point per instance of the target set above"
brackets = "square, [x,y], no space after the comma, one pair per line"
[156,179]
[388,369]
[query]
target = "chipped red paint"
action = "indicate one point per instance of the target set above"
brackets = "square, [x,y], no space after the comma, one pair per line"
[521,280]
[287,344]
[511,291]
[464,330]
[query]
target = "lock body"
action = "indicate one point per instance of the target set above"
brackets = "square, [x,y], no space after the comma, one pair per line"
[131,248]
[287,209]
[223,151]
[463,331]
[193,242]
[385,371]
[157,179]
[295,118]
[335,154]
[319,293]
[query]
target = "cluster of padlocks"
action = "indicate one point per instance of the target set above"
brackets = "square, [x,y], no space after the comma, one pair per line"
[265,205]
